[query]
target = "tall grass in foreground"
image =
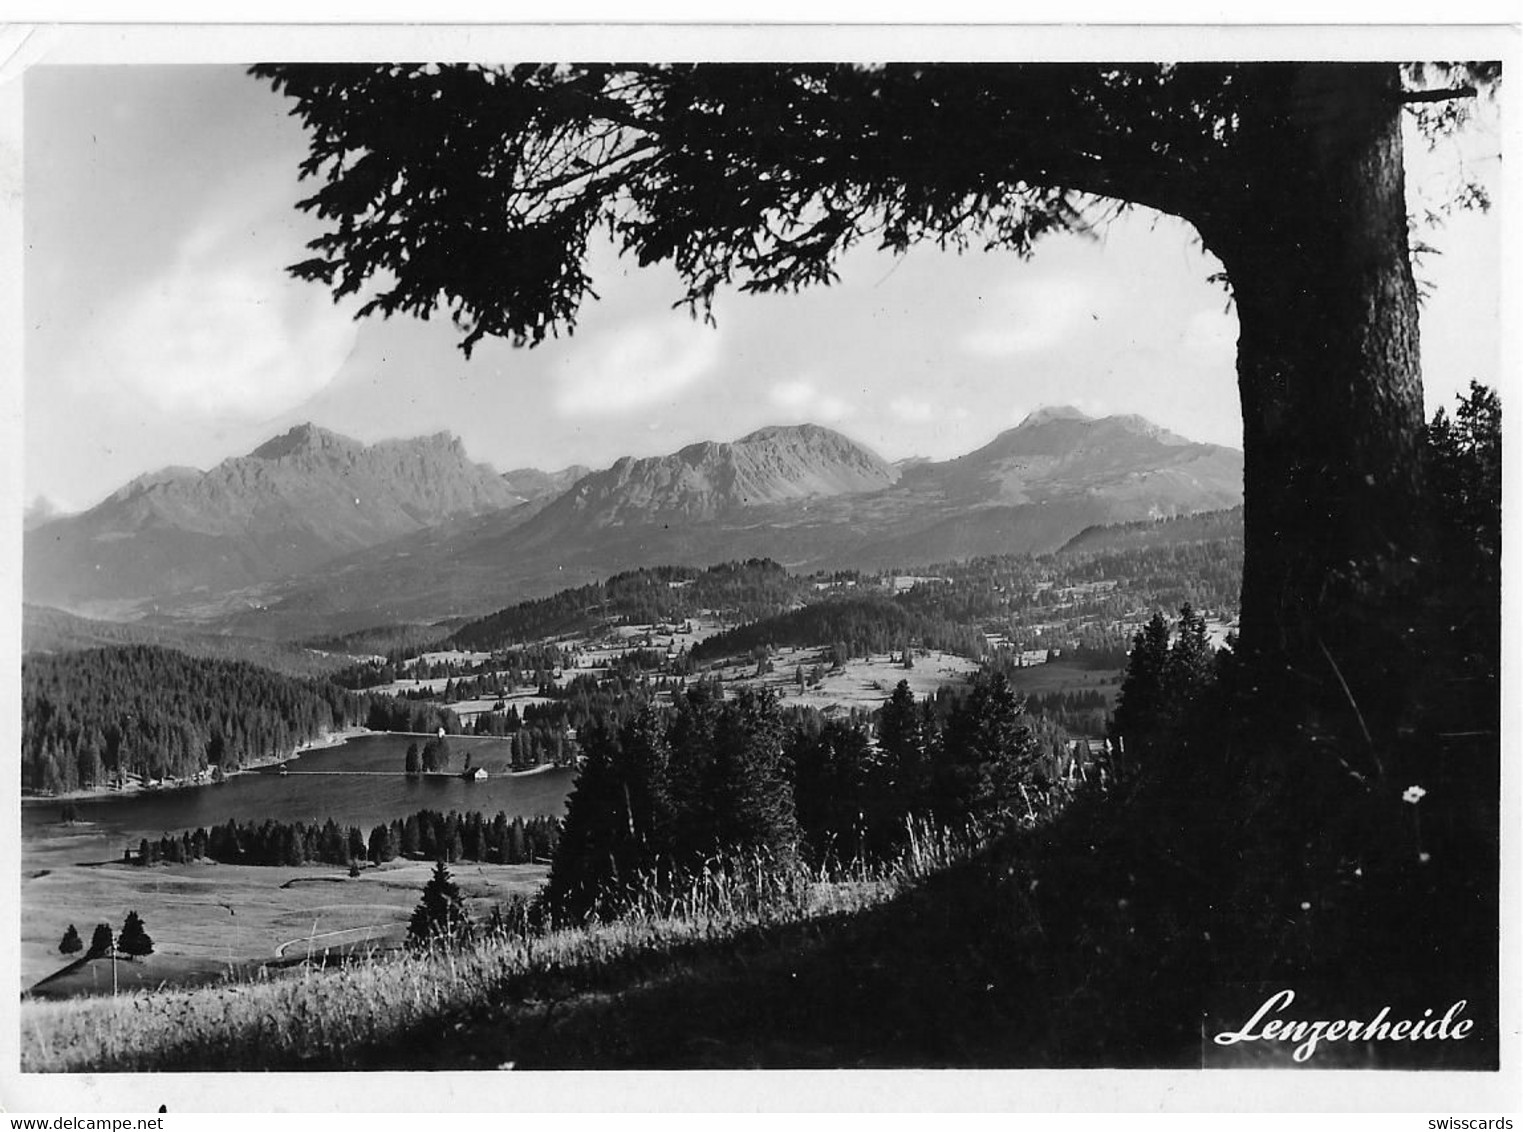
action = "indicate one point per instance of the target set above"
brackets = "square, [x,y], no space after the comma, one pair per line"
[343,1016]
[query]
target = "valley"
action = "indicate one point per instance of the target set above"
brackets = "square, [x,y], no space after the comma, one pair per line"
[521,687]
[668,752]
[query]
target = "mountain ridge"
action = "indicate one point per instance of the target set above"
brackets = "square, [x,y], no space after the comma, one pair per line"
[295,501]
[708,479]
[806,495]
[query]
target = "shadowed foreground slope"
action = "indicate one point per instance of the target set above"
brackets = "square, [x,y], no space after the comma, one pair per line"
[962,968]
[1088,943]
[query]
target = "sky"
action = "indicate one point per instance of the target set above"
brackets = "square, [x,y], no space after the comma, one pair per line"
[161,328]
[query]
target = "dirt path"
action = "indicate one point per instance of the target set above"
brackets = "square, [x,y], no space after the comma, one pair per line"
[368,929]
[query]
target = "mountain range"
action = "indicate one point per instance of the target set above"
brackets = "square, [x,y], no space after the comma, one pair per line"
[313,532]
[297,501]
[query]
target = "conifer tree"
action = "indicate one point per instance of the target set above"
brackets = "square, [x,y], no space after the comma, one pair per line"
[380,848]
[989,750]
[901,738]
[749,782]
[436,755]
[691,741]
[1465,464]
[1191,664]
[1139,712]
[134,939]
[586,870]
[101,941]
[646,761]
[71,943]
[832,775]
[440,914]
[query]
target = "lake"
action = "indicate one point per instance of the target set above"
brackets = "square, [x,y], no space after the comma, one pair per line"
[362,800]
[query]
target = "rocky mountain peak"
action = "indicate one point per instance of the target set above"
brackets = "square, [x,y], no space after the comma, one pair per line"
[301,439]
[1049,413]
[775,464]
[793,434]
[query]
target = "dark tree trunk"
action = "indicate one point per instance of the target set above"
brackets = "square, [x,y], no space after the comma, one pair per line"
[1315,246]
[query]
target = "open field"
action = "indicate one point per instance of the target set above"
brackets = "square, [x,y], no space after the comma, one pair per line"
[1065,676]
[866,683]
[490,1004]
[207,918]
[860,683]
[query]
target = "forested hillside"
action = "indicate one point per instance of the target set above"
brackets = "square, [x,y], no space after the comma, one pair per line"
[1202,526]
[750,590]
[92,717]
[853,626]
[1088,602]
[1091,595]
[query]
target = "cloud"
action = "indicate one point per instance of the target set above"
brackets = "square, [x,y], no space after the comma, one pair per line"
[639,365]
[911,409]
[1031,317]
[795,396]
[221,331]
[802,398]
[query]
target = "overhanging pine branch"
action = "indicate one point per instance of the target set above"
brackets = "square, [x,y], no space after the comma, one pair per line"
[1445,95]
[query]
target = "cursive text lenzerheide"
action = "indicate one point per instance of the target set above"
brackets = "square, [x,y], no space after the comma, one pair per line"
[1306,1034]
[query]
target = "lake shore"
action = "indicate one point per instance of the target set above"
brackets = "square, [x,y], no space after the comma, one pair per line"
[136,786]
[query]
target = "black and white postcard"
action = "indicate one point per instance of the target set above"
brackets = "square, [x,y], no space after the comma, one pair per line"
[656,550]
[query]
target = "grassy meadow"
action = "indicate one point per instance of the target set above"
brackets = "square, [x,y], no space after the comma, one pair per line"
[208,919]
[506,999]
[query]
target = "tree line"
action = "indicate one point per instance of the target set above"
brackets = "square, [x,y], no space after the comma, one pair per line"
[507,670]
[673,787]
[426,834]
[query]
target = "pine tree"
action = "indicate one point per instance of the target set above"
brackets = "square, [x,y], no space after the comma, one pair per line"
[989,750]
[902,740]
[691,741]
[586,871]
[832,771]
[749,781]
[1140,710]
[1465,466]
[380,848]
[134,939]
[71,943]
[1191,664]
[440,915]
[436,755]
[102,941]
